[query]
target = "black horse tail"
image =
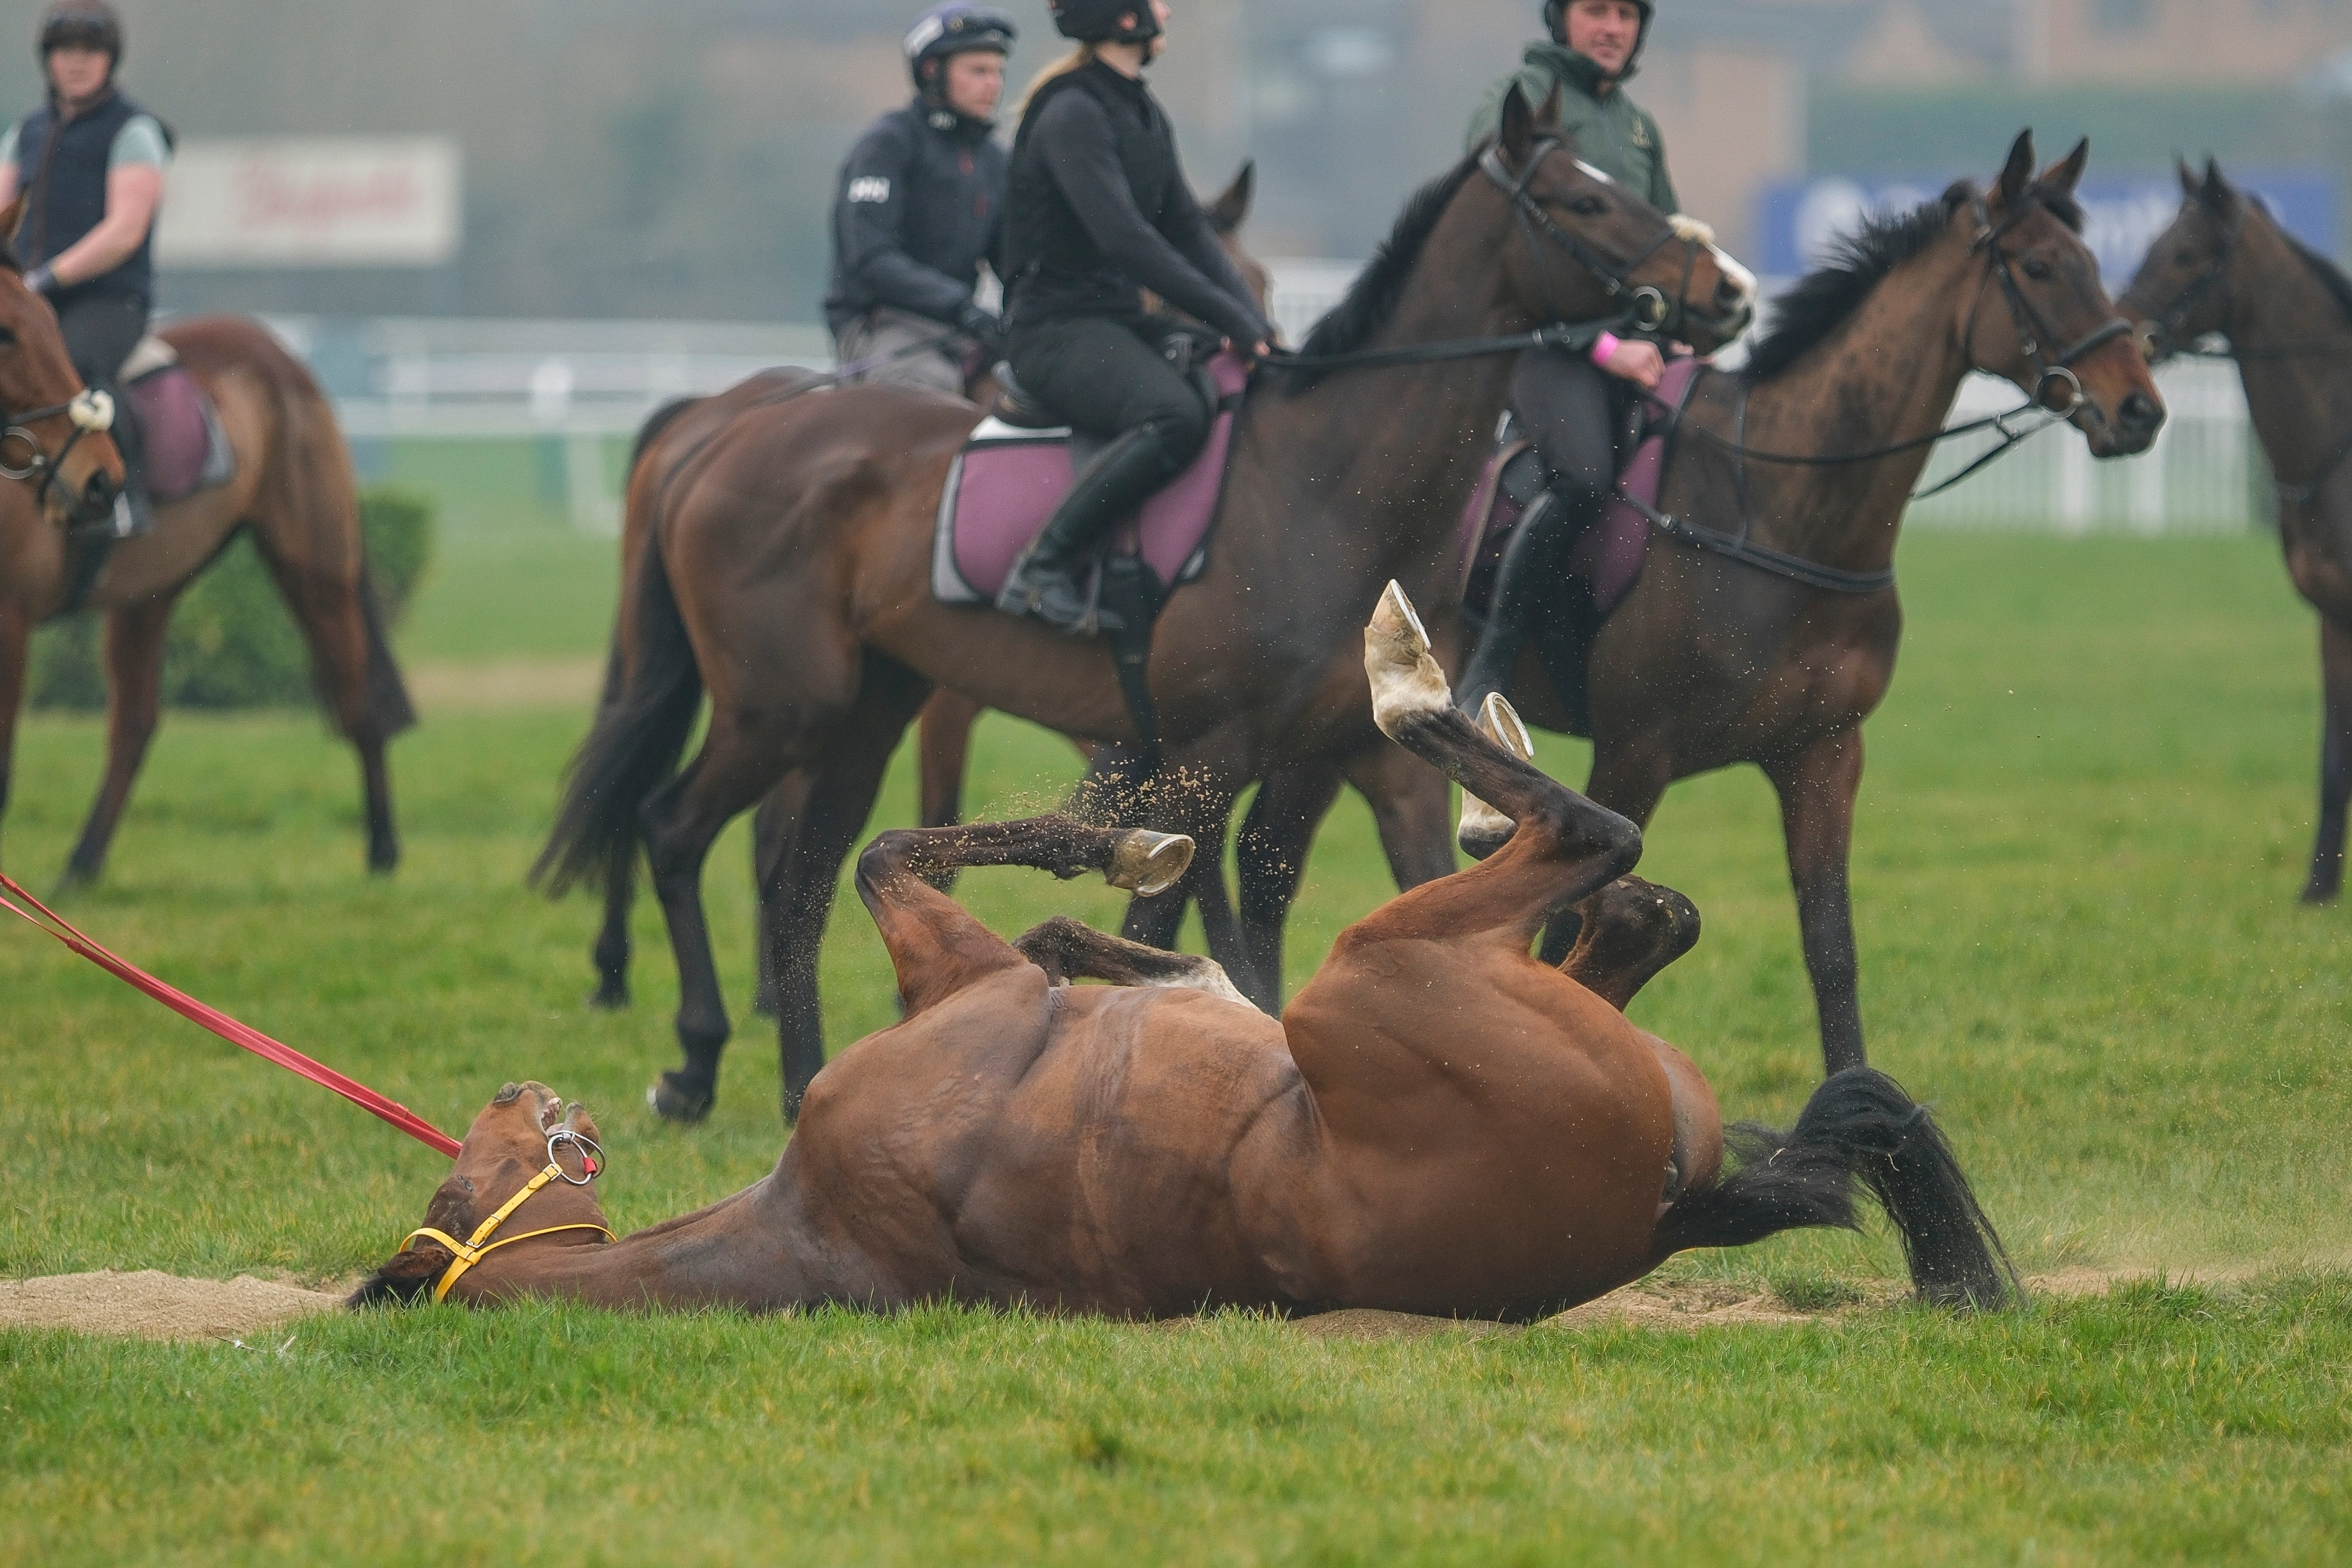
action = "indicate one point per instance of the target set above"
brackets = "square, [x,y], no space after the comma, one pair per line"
[640,732]
[1858,1125]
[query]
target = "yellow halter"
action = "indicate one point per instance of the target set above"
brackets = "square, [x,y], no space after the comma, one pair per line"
[472,1250]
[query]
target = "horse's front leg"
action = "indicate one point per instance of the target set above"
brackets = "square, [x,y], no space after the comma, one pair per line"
[134,698]
[2334,762]
[1817,786]
[16,650]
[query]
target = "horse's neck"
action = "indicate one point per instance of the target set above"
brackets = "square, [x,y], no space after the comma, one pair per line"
[2301,403]
[725,1254]
[1888,375]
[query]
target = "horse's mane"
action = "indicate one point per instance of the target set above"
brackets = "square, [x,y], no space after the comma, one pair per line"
[1354,321]
[1823,298]
[2325,271]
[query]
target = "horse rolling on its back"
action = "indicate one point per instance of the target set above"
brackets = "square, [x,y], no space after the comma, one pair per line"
[1439,1124]
[2225,266]
[809,621]
[293,487]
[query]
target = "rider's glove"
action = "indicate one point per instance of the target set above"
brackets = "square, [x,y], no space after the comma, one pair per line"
[41,280]
[983,326]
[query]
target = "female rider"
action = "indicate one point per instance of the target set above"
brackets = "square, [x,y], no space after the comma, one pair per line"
[1097,210]
[91,163]
[1569,402]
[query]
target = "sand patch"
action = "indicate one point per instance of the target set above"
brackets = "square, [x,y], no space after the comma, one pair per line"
[507,686]
[151,1305]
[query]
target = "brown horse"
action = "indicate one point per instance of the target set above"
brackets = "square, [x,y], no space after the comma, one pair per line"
[786,572]
[2225,266]
[1764,627]
[1439,1124]
[293,487]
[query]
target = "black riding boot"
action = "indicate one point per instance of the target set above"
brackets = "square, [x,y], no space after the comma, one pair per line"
[134,507]
[1044,580]
[1531,580]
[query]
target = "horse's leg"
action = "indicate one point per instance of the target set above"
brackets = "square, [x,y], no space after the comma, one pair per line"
[1068,949]
[15,652]
[610,952]
[2335,760]
[937,946]
[1630,931]
[1817,786]
[1270,855]
[837,796]
[1630,784]
[775,835]
[134,694]
[946,730]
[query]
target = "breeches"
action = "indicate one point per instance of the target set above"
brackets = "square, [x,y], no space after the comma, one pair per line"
[881,332]
[1102,376]
[1569,409]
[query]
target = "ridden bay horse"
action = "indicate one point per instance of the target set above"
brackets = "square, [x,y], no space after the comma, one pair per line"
[2225,266]
[787,563]
[1439,1124]
[293,487]
[1763,629]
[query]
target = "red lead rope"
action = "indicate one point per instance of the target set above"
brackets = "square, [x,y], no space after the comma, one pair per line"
[227,1027]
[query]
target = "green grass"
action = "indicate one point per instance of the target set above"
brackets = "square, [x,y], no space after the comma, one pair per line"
[2080,840]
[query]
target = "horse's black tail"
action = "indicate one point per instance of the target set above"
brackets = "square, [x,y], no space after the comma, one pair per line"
[1859,1124]
[634,748]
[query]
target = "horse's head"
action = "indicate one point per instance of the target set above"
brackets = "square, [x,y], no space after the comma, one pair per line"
[520,1134]
[52,434]
[2038,314]
[2181,291]
[1592,249]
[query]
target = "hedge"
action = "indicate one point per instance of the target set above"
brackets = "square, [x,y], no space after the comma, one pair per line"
[233,644]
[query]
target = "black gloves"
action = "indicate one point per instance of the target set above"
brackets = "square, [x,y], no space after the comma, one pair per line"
[984,327]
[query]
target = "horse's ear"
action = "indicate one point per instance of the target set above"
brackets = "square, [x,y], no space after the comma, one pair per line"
[2188,176]
[2017,176]
[2064,175]
[1517,136]
[1548,117]
[1230,211]
[2217,194]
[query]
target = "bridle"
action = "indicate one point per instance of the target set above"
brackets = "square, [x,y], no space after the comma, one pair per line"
[2160,339]
[90,410]
[2032,330]
[472,1250]
[1646,307]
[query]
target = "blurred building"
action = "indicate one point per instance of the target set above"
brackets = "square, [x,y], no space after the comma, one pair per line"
[675,158]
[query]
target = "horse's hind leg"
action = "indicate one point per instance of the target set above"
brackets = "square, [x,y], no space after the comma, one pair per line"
[938,947]
[2334,762]
[1564,848]
[1068,949]
[1628,931]
[134,693]
[946,726]
[16,654]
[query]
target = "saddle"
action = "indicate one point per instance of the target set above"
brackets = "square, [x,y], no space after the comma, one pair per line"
[1018,464]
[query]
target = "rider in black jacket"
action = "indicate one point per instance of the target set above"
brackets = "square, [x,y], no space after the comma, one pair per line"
[1100,210]
[920,205]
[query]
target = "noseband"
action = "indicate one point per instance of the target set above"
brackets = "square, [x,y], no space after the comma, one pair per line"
[89,409]
[472,1250]
[1646,308]
[2032,331]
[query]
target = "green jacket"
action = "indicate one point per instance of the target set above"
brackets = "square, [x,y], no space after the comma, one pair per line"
[1613,133]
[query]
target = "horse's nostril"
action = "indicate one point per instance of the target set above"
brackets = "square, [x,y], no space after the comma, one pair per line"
[1728,294]
[2141,413]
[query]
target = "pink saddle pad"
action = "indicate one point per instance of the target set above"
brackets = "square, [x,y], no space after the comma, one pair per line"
[1608,556]
[179,434]
[1006,482]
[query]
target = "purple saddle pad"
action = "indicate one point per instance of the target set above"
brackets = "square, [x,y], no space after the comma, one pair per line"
[1608,556]
[1007,480]
[183,441]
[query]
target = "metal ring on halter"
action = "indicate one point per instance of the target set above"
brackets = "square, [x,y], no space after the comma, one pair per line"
[592,1157]
[2059,373]
[32,466]
[2154,342]
[1648,308]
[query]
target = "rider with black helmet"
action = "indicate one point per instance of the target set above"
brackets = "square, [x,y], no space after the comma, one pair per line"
[1570,404]
[920,205]
[1100,210]
[91,164]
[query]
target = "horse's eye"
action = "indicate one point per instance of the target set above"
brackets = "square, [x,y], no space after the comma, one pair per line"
[7,339]
[2183,258]
[1588,206]
[2038,270]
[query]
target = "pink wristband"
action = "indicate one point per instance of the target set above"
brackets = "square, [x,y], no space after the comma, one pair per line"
[1606,348]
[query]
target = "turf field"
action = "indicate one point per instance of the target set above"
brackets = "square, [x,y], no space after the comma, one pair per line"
[2081,837]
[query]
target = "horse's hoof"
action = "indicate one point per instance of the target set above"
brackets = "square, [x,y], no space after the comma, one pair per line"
[1149,863]
[1405,679]
[2316,895]
[675,1098]
[610,997]
[1483,830]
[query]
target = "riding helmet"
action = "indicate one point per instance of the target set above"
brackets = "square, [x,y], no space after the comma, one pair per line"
[958,27]
[1105,21]
[82,24]
[1555,15]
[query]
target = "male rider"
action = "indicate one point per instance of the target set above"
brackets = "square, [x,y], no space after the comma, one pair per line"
[1569,402]
[91,165]
[920,205]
